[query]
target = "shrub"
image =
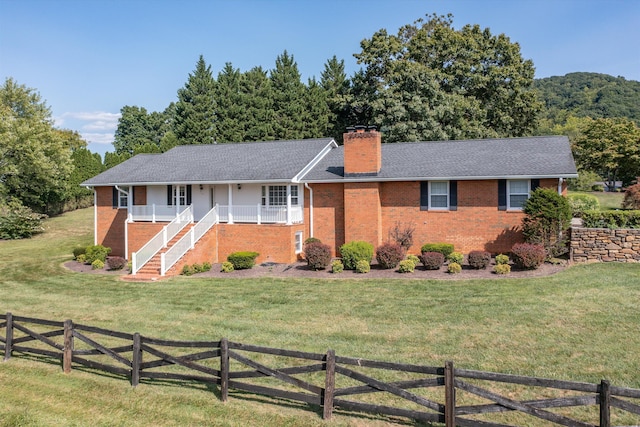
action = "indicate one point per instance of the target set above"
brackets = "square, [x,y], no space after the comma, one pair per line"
[389,255]
[414,259]
[479,259]
[116,263]
[406,266]
[528,255]
[502,259]
[82,258]
[444,248]
[97,264]
[318,255]
[456,257]
[355,251]
[337,266]
[243,260]
[632,197]
[97,252]
[432,260]
[547,220]
[584,182]
[582,202]
[18,221]
[611,219]
[188,270]
[312,240]
[502,269]
[454,268]
[402,235]
[363,266]
[78,251]
[226,267]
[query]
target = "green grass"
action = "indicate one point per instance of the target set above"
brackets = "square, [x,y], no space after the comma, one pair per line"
[608,200]
[581,324]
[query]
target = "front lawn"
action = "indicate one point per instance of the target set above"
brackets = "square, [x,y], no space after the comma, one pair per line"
[580,324]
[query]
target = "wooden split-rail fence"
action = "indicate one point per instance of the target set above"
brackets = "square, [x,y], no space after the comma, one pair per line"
[448,395]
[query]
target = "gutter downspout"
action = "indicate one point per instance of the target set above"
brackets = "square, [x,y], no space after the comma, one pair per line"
[126,223]
[95,215]
[560,181]
[306,185]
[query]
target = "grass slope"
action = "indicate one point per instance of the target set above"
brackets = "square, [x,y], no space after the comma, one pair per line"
[581,324]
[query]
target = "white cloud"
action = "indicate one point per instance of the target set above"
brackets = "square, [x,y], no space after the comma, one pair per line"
[94,127]
[98,138]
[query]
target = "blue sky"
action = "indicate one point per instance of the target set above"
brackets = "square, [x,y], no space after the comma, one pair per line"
[89,58]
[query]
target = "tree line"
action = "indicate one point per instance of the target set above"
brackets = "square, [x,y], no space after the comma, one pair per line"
[426,82]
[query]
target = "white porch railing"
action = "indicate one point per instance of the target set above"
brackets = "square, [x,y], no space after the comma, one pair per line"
[188,241]
[154,212]
[160,240]
[258,214]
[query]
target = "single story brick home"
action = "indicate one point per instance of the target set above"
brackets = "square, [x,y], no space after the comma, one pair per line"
[197,203]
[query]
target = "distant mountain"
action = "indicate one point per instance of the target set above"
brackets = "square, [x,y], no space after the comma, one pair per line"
[589,94]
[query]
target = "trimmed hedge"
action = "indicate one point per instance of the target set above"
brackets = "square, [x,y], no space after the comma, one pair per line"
[318,255]
[96,252]
[116,263]
[582,202]
[243,260]
[444,248]
[611,219]
[389,255]
[355,251]
[432,260]
[528,255]
[479,259]
[406,266]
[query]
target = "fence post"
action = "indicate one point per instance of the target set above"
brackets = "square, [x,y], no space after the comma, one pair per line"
[8,343]
[329,385]
[224,369]
[136,359]
[449,395]
[605,403]
[67,353]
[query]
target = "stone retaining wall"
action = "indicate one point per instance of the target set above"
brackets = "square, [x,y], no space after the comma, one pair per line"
[605,245]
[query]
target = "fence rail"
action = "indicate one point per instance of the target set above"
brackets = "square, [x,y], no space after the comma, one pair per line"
[417,392]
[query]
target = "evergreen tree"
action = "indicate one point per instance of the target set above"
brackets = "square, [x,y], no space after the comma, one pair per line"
[288,98]
[316,112]
[257,100]
[231,113]
[338,94]
[195,113]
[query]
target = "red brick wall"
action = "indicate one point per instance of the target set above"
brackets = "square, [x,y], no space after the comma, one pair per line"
[362,152]
[110,222]
[139,233]
[362,212]
[205,250]
[328,215]
[274,242]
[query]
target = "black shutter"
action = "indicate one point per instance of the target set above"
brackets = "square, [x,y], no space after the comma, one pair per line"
[502,194]
[169,195]
[453,195]
[535,183]
[188,195]
[133,200]
[114,197]
[424,195]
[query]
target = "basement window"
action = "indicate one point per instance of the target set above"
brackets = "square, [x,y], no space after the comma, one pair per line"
[298,242]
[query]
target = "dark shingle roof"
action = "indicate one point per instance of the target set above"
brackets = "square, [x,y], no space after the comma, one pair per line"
[469,159]
[255,161]
[527,157]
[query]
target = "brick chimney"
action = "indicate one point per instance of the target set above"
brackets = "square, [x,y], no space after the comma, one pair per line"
[362,151]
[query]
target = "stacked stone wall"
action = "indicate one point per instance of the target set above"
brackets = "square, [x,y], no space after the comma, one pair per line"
[605,245]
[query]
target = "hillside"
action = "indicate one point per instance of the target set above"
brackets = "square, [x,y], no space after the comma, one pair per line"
[589,94]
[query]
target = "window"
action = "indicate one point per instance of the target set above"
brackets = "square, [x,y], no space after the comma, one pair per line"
[276,195]
[517,193]
[298,242]
[123,198]
[439,195]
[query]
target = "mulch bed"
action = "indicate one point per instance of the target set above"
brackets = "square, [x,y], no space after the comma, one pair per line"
[300,270]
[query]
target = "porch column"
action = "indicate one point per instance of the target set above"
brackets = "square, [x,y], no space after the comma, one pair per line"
[230,215]
[288,204]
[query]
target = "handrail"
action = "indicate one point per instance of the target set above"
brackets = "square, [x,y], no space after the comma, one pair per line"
[160,240]
[187,242]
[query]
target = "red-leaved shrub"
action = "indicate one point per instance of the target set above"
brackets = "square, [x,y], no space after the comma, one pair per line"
[318,255]
[632,197]
[389,255]
[528,255]
[432,260]
[479,259]
[116,263]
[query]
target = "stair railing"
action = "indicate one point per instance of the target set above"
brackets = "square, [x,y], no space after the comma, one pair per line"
[188,241]
[160,240]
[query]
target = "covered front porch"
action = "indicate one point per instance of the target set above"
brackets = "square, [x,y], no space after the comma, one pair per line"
[248,214]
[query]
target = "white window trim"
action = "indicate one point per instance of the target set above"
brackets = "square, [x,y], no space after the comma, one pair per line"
[431,194]
[265,195]
[298,239]
[123,196]
[509,194]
